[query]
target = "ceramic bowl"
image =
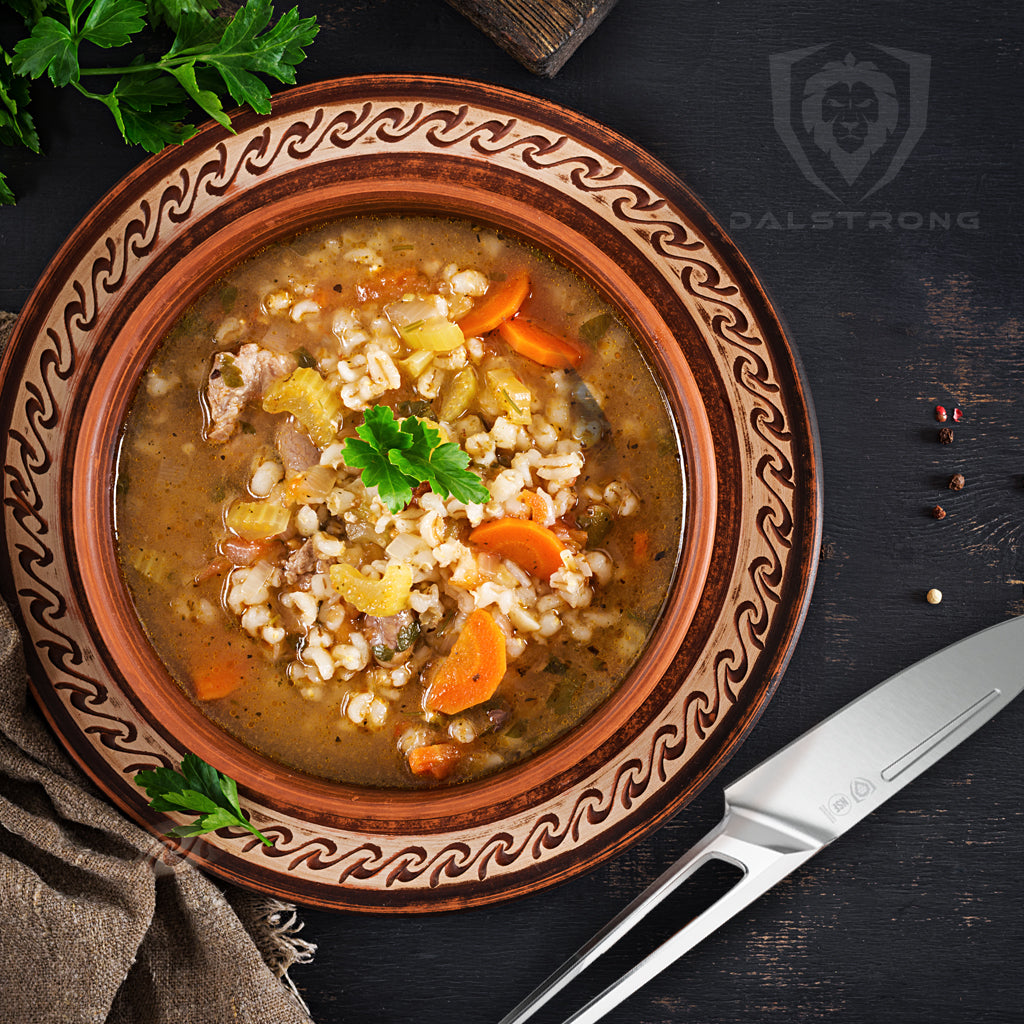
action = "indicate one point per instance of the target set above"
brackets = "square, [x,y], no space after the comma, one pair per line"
[623,222]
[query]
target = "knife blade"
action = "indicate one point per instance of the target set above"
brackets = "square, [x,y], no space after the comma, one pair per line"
[781,813]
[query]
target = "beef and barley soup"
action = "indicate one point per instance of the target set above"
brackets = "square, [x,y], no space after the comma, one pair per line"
[399,501]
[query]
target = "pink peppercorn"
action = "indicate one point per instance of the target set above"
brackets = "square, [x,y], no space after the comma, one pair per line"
[940,413]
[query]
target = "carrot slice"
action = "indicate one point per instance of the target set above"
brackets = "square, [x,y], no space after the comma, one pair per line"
[535,503]
[539,344]
[437,760]
[531,546]
[498,304]
[218,679]
[471,672]
[641,545]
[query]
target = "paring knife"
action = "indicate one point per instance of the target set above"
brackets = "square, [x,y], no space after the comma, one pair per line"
[785,810]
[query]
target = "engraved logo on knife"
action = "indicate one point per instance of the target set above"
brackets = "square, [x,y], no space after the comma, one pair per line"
[842,803]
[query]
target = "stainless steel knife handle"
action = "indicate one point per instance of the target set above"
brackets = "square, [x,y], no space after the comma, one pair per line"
[761,849]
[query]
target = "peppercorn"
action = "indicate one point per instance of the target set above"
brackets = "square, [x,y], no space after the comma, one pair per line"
[946,435]
[938,512]
[957,415]
[940,413]
[934,596]
[956,482]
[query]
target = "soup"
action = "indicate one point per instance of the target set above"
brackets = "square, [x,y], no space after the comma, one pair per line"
[398,501]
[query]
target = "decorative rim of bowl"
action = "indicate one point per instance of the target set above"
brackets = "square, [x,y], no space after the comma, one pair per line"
[750,544]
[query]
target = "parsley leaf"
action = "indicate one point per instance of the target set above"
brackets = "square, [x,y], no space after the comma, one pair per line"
[380,434]
[29,10]
[51,49]
[205,98]
[209,59]
[395,458]
[169,12]
[114,22]
[151,129]
[197,789]
[16,126]
[247,48]
[443,465]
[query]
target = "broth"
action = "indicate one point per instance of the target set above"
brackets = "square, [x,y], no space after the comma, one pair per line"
[344,637]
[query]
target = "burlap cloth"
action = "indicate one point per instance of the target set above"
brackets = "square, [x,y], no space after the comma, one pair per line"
[98,921]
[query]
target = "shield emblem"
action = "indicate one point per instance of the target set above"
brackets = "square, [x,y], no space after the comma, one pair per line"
[850,116]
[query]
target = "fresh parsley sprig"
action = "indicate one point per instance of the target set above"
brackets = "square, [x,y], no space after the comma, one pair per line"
[210,59]
[197,789]
[396,457]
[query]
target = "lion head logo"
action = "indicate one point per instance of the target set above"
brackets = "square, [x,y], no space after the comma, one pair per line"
[849,116]
[850,109]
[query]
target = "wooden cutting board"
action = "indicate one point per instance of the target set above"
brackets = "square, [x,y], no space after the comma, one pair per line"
[541,34]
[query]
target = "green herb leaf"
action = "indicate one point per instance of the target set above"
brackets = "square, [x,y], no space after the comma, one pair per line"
[407,636]
[396,458]
[443,465]
[209,59]
[154,129]
[6,195]
[16,126]
[305,358]
[51,49]
[30,10]
[248,47]
[198,789]
[596,327]
[169,12]
[208,100]
[230,373]
[380,434]
[145,89]
[113,22]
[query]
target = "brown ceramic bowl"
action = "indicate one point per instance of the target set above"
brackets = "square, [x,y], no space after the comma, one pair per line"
[387,145]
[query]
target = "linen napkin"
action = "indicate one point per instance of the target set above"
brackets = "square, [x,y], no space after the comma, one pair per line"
[99,921]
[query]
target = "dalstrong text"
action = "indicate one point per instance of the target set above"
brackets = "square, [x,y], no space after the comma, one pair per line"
[850,220]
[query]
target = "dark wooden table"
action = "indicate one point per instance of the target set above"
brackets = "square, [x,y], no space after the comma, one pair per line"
[896,301]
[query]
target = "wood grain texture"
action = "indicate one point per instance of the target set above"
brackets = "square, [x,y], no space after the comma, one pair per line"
[541,34]
[914,916]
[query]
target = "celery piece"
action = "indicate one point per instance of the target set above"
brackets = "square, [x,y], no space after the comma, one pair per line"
[257,520]
[511,394]
[435,334]
[387,596]
[458,394]
[154,565]
[415,365]
[309,398]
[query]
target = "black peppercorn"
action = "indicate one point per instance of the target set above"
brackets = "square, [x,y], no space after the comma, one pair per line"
[956,482]
[938,512]
[946,435]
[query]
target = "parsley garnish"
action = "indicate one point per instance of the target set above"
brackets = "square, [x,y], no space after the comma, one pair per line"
[210,59]
[197,789]
[596,327]
[395,458]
